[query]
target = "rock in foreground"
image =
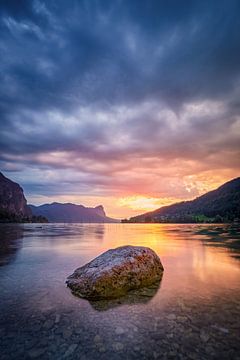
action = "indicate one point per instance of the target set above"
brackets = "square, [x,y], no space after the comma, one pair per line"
[115,272]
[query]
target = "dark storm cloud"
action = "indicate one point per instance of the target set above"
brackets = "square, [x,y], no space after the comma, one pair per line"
[118,81]
[60,54]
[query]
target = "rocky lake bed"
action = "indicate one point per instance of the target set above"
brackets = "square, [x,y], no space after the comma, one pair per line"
[193,313]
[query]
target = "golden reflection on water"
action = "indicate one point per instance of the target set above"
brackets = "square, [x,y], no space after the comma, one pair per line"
[193,264]
[183,251]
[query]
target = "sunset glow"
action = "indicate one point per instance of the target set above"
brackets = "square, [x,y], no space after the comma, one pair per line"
[121,113]
[141,203]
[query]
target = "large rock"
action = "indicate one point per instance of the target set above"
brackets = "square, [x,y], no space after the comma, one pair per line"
[115,272]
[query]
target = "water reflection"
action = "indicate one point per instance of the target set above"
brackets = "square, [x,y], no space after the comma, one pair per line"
[10,242]
[194,315]
[133,297]
[66,231]
[223,236]
[99,231]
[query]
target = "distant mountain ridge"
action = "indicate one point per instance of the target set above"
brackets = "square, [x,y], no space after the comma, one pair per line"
[14,208]
[220,205]
[68,212]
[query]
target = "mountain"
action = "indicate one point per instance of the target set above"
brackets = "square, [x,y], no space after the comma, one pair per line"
[220,205]
[14,208]
[13,204]
[57,212]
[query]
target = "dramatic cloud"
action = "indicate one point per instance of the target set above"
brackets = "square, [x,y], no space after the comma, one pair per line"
[133,104]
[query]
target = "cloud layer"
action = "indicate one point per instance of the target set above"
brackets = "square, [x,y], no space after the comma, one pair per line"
[109,100]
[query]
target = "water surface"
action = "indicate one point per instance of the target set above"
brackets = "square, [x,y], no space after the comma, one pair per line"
[194,314]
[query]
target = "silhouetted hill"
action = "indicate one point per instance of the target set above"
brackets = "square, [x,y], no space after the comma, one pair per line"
[57,212]
[220,205]
[13,204]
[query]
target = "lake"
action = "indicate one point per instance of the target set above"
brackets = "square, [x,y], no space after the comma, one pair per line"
[194,314]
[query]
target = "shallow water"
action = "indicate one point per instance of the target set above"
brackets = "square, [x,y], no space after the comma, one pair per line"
[194,314]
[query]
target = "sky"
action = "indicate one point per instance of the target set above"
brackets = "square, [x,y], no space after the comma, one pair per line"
[129,104]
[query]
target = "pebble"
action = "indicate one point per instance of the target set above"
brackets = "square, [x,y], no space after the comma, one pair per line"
[101,349]
[67,333]
[119,330]
[48,324]
[171,317]
[118,346]
[136,348]
[209,350]
[70,350]
[182,318]
[97,339]
[222,329]
[204,336]
[57,319]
